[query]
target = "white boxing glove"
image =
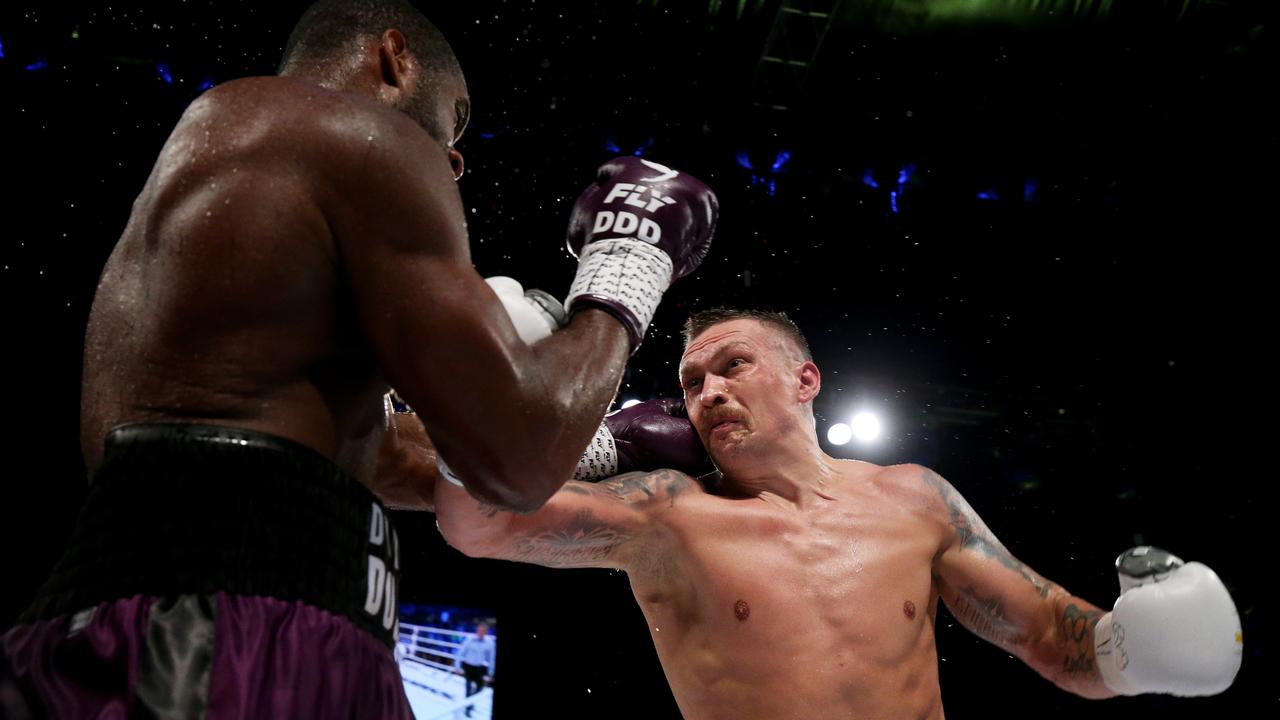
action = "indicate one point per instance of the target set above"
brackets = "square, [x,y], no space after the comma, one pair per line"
[1174,629]
[535,315]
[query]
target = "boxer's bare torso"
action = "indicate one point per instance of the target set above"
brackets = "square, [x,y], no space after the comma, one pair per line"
[760,610]
[224,301]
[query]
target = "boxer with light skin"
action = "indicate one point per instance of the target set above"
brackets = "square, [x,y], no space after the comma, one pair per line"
[807,586]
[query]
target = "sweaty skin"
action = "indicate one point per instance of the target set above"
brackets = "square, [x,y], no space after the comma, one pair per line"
[810,594]
[222,303]
[298,249]
[762,612]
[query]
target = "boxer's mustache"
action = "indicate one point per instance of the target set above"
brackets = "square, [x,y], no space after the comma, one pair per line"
[712,420]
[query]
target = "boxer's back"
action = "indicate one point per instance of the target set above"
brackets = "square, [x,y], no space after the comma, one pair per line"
[222,302]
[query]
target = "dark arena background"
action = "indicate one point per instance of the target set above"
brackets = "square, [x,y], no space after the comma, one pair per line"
[1029,235]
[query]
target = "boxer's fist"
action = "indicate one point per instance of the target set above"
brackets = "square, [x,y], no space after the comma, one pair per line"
[637,228]
[1174,628]
[635,198]
[646,436]
[534,313]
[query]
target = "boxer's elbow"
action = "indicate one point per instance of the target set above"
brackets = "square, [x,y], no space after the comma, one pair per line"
[472,536]
[460,539]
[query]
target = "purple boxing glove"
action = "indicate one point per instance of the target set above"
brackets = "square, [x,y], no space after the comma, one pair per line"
[636,229]
[647,436]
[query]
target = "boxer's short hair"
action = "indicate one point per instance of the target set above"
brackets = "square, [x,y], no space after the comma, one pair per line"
[703,319]
[328,27]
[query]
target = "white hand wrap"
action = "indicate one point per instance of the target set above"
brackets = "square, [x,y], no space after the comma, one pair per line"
[627,273]
[1176,633]
[600,460]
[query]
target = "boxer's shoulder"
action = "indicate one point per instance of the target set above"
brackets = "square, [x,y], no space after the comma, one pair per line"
[912,486]
[890,478]
[909,476]
[287,113]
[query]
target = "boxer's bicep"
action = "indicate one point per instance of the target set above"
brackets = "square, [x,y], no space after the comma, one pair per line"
[1002,600]
[437,331]
[604,524]
[985,587]
[403,255]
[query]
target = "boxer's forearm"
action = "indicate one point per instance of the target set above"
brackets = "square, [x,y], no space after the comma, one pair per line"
[1064,653]
[540,419]
[604,524]
[470,526]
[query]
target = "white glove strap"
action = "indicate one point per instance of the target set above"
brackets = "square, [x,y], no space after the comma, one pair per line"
[627,271]
[1109,653]
[600,459]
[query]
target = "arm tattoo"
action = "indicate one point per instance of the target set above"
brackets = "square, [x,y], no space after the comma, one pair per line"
[973,533]
[984,617]
[638,488]
[581,542]
[585,539]
[634,487]
[1075,629]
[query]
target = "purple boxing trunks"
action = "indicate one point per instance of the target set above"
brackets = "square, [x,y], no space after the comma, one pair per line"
[214,573]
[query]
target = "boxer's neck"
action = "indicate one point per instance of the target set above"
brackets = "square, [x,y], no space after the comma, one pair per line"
[356,73]
[795,473]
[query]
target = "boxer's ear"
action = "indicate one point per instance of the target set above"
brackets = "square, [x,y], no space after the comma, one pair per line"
[393,58]
[810,381]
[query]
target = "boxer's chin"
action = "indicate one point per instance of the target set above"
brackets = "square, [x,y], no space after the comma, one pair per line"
[725,447]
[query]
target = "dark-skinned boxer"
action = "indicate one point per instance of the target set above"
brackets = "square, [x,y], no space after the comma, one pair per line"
[299,247]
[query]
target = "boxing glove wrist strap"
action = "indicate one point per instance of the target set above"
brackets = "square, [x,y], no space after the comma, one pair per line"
[600,460]
[625,277]
[1111,657]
